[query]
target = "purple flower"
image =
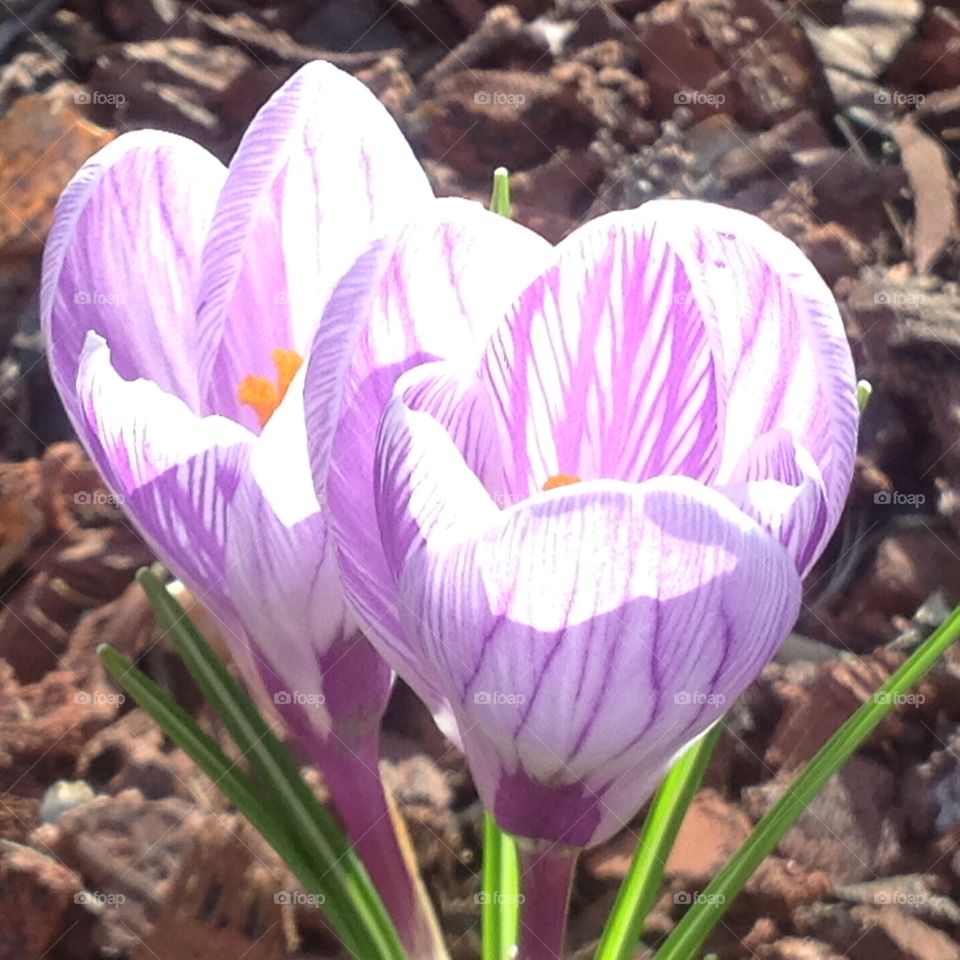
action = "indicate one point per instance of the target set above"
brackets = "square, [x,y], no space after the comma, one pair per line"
[593,531]
[178,299]
[434,289]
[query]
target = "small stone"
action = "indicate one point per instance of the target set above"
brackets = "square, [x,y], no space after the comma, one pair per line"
[62,796]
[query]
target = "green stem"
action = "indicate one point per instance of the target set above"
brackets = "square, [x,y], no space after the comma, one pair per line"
[500,195]
[639,889]
[690,933]
[500,899]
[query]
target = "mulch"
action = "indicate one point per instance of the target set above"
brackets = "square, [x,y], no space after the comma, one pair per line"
[837,121]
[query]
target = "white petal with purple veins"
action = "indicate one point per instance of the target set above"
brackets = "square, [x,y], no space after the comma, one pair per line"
[569,629]
[604,367]
[123,260]
[320,171]
[435,290]
[176,472]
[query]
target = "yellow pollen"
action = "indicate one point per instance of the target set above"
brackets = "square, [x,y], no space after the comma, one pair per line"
[560,480]
[287,363]
[263,395]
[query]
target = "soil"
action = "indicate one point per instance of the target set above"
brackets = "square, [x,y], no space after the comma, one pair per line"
[837,121]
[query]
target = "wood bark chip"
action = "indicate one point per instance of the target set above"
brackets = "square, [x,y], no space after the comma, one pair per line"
[934,193]
[44,140]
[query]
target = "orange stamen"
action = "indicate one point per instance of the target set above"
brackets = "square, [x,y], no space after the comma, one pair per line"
[560,480]
[287,363]
[262,395]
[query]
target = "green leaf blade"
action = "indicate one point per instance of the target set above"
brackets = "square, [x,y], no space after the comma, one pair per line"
[500,900]
[237,787]
[305,818]
[640,887]
[695,926]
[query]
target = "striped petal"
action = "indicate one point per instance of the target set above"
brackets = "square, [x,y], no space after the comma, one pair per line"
[583,636]
[779,485]
[604,367]
[783,355]
[435,290]
[321,169]
[667,341]
[122,259]
[319,670]
[174,473]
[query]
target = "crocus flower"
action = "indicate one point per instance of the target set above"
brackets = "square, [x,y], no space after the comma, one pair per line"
[179,297]
[594,532]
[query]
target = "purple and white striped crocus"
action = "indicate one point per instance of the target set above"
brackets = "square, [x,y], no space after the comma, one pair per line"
[598,534]
[178,299]
[594,532]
